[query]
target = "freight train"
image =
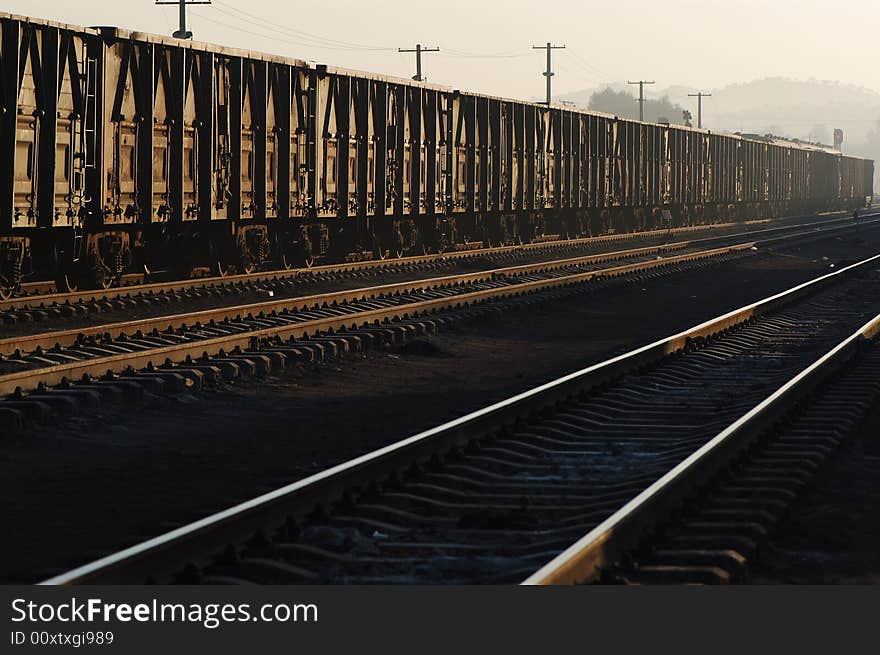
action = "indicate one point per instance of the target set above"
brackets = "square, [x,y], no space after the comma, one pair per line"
[125,151]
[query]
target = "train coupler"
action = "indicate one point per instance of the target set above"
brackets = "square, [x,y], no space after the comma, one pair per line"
[109,254]
[253,247]
[14,255]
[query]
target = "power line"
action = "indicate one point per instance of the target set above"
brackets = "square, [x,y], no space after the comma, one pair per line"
[274,26]
[165,20]
[281,36]
[580,73]
[282,39]
[287,34]
[339,44]
[587,66]
[418,77]
[311,39]
[642,84]
[513,54]
[549,72]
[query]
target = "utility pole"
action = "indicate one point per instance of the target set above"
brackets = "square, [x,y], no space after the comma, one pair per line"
[418,77]
[549,72]
[699,97]
[182,32]
[642,84]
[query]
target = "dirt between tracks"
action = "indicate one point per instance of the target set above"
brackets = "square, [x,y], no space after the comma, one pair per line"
[98,483]
[832,535]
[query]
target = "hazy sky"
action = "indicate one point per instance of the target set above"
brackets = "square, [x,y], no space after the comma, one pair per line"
[486,44]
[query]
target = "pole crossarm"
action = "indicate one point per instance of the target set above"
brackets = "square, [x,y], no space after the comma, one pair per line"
[641,84]
[699,96]
[182,32]
[419,49]
[549,47]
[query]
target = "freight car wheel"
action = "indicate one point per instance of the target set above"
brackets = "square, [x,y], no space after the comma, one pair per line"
[102,279]
[379,252]
[297,257]
[289,263]
[65,282]
[219,269]
[66,270]
[100,276]
[8,285]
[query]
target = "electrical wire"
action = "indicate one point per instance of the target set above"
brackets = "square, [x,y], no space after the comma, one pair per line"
[279,37]
[576,72]
[167,23]
[340,44]
[510,54]
[307,37]
[586,67]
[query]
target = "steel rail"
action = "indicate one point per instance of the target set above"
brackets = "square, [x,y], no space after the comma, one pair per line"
[28,343]
[67,337]
[52,375]
[267,276]
[160,557]
[195,283]
[37,300]
[584,561]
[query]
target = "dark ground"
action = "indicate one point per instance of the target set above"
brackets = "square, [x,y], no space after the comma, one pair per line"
[832,535]
[104,482]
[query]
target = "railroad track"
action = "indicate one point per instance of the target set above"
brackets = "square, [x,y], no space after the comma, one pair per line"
[39,300]
[555,485]
[715,536]
[293,285]
[706,519]
[275,328]
[190,348]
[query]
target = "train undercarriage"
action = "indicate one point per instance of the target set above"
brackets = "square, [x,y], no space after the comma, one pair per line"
[99,258]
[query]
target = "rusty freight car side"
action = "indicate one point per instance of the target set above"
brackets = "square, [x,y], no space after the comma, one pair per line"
[49,138]
[136,152]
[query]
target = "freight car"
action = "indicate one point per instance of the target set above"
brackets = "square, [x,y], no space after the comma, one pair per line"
[125,151]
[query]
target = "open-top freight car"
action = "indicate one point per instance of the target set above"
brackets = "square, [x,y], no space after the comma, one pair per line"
[130,151]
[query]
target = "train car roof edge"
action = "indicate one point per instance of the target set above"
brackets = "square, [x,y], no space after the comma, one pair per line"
[112,32]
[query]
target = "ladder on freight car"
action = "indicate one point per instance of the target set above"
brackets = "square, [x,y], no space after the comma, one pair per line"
[85,130]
